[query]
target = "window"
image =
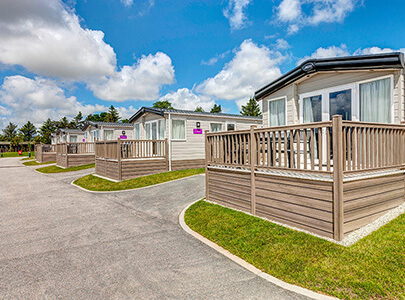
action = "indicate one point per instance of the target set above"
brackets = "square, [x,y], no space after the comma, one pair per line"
[96,135]
[312,109]
[73,138]
[137,132]
[178,129]
[375,101]
[340,103]
[230,126]
[86,135]
[155,130]
[215,127]
[108,134]
[147,130]
[277,112]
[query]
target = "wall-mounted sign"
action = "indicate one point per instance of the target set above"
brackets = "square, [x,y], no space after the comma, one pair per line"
[84,140]
[197,131]
[123,137]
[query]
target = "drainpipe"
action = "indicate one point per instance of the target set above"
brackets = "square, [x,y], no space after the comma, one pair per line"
[170,143]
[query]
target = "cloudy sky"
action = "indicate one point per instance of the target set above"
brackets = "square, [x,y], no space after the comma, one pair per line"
[61,57]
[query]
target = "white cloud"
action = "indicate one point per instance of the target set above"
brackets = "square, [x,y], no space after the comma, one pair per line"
[127,3]
[282,44]
[187,99]
[292,12]
[38,99]
[376,50]
[332,51]
[126,112]
[235,13]
[46,38]
[141,81]
[251,67]
[214,60]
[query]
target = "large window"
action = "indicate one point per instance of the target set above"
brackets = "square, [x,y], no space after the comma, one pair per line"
[277,112]
[178,129]
[136,131]
[73,138]
[340,103]
[215,127]
[108,134]
[375,101]
[312,109]
[155,130]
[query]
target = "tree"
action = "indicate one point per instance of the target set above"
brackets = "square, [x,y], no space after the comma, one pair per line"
[251,108]
[199,109]
[15,142]
[28,131]
[46,130]
[124,121]
[163,104]
[79,120]
[10,131]
[216,108]
[63,123]
[112,115]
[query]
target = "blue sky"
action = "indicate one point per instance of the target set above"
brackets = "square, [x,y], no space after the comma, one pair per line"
[57,58]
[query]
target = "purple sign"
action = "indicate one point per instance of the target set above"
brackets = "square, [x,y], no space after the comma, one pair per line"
[197,131]
[84,140]
[123,137]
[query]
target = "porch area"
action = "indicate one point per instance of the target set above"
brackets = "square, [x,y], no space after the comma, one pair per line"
[45,152]
[74,154]
[329,178]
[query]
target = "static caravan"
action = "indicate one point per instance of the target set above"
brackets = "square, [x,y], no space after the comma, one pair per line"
[107,131]
[164,140]
[67,135]
[330,157]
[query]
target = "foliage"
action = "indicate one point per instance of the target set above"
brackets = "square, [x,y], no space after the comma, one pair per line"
[46,130]
[79,120]
[63,123]
[94,183]
[251,108]
[10,131]
[124,121]
[28,131]
[15,142]
[199,109]
[216,108]
[163,104]
[112,115]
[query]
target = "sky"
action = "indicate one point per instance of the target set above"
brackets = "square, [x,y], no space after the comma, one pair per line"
[61,57]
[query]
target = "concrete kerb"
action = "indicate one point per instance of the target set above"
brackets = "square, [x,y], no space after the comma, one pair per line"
[287,286]
[129,190]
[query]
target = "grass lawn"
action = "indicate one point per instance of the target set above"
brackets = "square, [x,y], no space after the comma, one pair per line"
[373,268]
[29,158]
[35,163]
[94,183]
[15,154]
[56,169]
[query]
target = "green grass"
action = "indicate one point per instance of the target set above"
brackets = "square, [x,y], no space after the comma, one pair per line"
[373,268]
[35,163]
[29,158]
[56,169]
[15,154]
[94,183]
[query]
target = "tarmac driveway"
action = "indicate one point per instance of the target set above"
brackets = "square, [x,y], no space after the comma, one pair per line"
[58,242]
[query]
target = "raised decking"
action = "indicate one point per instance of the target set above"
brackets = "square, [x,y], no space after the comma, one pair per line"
[45,153]
[74,154]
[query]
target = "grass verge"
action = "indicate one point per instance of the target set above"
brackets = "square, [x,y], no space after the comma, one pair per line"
[28,158]
[35,163]
[373,268]
[56,169]
[15,154]
[94,183]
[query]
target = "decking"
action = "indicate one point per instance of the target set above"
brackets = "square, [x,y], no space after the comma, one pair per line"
[45,153]
[329,178]
[74,154]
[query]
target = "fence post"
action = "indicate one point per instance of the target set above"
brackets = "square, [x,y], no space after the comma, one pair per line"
[105,158]
[252,161]
[67,156]
[119,159]
[337,177]
[206,164]
[167,155]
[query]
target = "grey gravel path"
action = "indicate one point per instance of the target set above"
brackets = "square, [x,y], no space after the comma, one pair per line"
[58,242]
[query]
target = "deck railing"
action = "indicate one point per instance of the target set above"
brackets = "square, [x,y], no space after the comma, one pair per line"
[45,148]
[131,149]
[311,147]
[75,148]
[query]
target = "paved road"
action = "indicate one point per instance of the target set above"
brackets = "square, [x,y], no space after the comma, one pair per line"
[58,242]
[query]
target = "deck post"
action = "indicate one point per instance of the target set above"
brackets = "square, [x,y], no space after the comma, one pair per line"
[119,159]
[252,150]
[337,177]
[105,157]
[206,164]
[67,156]
[167,154]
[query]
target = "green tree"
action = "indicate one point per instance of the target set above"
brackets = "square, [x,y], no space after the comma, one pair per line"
[251,108]
[216,108]
[63,123]
[15,142]
[112,115]
[124,121]
[46,130]
[163,104]
[10,131]
[79,120]
[28,131]
[199,109]
[103,117]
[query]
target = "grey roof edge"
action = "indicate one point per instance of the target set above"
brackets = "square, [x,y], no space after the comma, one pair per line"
[393,60]
[162,111]
[96,124]
[71,130]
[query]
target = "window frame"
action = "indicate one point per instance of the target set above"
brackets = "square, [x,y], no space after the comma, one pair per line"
[104,135]
[285,109]
[139,131]
[157,127]
[226,126]
[218,123]
[185,129]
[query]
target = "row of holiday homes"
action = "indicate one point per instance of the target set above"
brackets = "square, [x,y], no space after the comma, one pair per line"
[327,156]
